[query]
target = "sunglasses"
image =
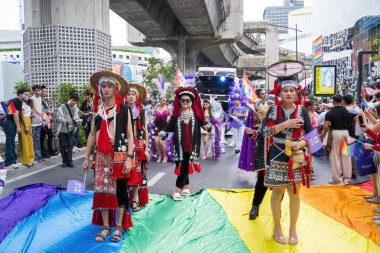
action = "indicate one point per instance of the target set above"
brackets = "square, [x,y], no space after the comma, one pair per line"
[185,101]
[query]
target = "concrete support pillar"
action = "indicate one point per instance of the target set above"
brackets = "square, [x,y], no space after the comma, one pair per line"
[186,57]
[272,50]
[181,60]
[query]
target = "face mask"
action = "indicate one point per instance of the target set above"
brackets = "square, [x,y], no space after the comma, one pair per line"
[24,97]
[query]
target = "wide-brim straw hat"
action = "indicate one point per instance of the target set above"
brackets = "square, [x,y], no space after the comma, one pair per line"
[122,84]
[139,88]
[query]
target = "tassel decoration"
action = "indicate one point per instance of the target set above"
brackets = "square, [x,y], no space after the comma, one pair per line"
[143,196]
[197,167]
[177,169]
[127,220]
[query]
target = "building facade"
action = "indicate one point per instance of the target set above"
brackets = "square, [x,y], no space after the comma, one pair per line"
[65,42]
[57,54]
[131,64]
[278,15]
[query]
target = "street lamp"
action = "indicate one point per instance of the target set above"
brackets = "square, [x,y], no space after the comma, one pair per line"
[360,70]
[294,29]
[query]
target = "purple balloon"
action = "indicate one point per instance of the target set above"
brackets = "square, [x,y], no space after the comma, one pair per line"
[237,95]
[238,90]
[231,93]
[230,103]
[244,103]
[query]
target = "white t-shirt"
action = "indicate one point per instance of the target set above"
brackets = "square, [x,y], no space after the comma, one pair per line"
[27,109]
[37,120]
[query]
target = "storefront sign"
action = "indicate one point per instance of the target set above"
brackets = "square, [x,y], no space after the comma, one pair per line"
[324,80]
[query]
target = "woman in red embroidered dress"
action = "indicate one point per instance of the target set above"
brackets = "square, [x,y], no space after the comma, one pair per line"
[138,181]
[111,133]
[186,122]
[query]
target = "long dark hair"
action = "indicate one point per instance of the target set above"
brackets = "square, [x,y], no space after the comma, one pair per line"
[209,108]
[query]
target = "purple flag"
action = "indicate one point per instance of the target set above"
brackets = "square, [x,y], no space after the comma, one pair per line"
[161,81]
[314,141]
[76,187]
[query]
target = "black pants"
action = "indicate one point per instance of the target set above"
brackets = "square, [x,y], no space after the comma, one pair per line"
[45,131]
[66,147]
[260,189]
[183,178]
[122,192]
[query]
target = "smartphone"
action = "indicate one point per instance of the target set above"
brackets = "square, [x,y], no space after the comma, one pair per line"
[361,122]
[362,107]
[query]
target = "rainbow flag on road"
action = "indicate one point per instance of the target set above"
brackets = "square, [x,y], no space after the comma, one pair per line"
[249,90]
[212,220]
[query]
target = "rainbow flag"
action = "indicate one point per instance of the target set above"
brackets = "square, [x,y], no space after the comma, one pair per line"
[317,46]
[8,107]
[179,78]
[364,101]
[348,147]
[249,90]
[212,220]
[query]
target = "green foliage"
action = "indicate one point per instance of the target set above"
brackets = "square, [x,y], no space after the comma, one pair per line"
[287,58]
[311,96]
[20,85]
[82,139]
[157,66]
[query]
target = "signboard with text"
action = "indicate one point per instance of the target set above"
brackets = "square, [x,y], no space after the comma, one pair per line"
[324,80]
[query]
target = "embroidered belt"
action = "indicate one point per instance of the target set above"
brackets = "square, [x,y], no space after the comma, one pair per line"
[280,140]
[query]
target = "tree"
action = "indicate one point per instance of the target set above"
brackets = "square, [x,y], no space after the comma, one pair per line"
[20,85]
[155,67]
[287,58]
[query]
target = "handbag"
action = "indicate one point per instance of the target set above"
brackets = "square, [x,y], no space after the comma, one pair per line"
[364,161]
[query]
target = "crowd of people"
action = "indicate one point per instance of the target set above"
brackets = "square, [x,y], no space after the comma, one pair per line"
[31,119]
[125,130]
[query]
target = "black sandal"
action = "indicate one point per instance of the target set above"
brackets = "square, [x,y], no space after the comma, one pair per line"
[117,237]
[135,208]
[101,235]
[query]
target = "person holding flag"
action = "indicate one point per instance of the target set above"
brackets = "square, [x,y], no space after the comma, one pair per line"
[112,134]
[286,163]
[12,127]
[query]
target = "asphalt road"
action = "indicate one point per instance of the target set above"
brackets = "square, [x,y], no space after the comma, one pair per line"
[221,173]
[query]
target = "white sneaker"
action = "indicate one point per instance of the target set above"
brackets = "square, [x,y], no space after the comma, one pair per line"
[377,222]
[223,151]
[377,209]
[177,196]
[232,144]
[16,165]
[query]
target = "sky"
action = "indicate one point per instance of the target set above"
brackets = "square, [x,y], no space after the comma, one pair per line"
[9,17]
